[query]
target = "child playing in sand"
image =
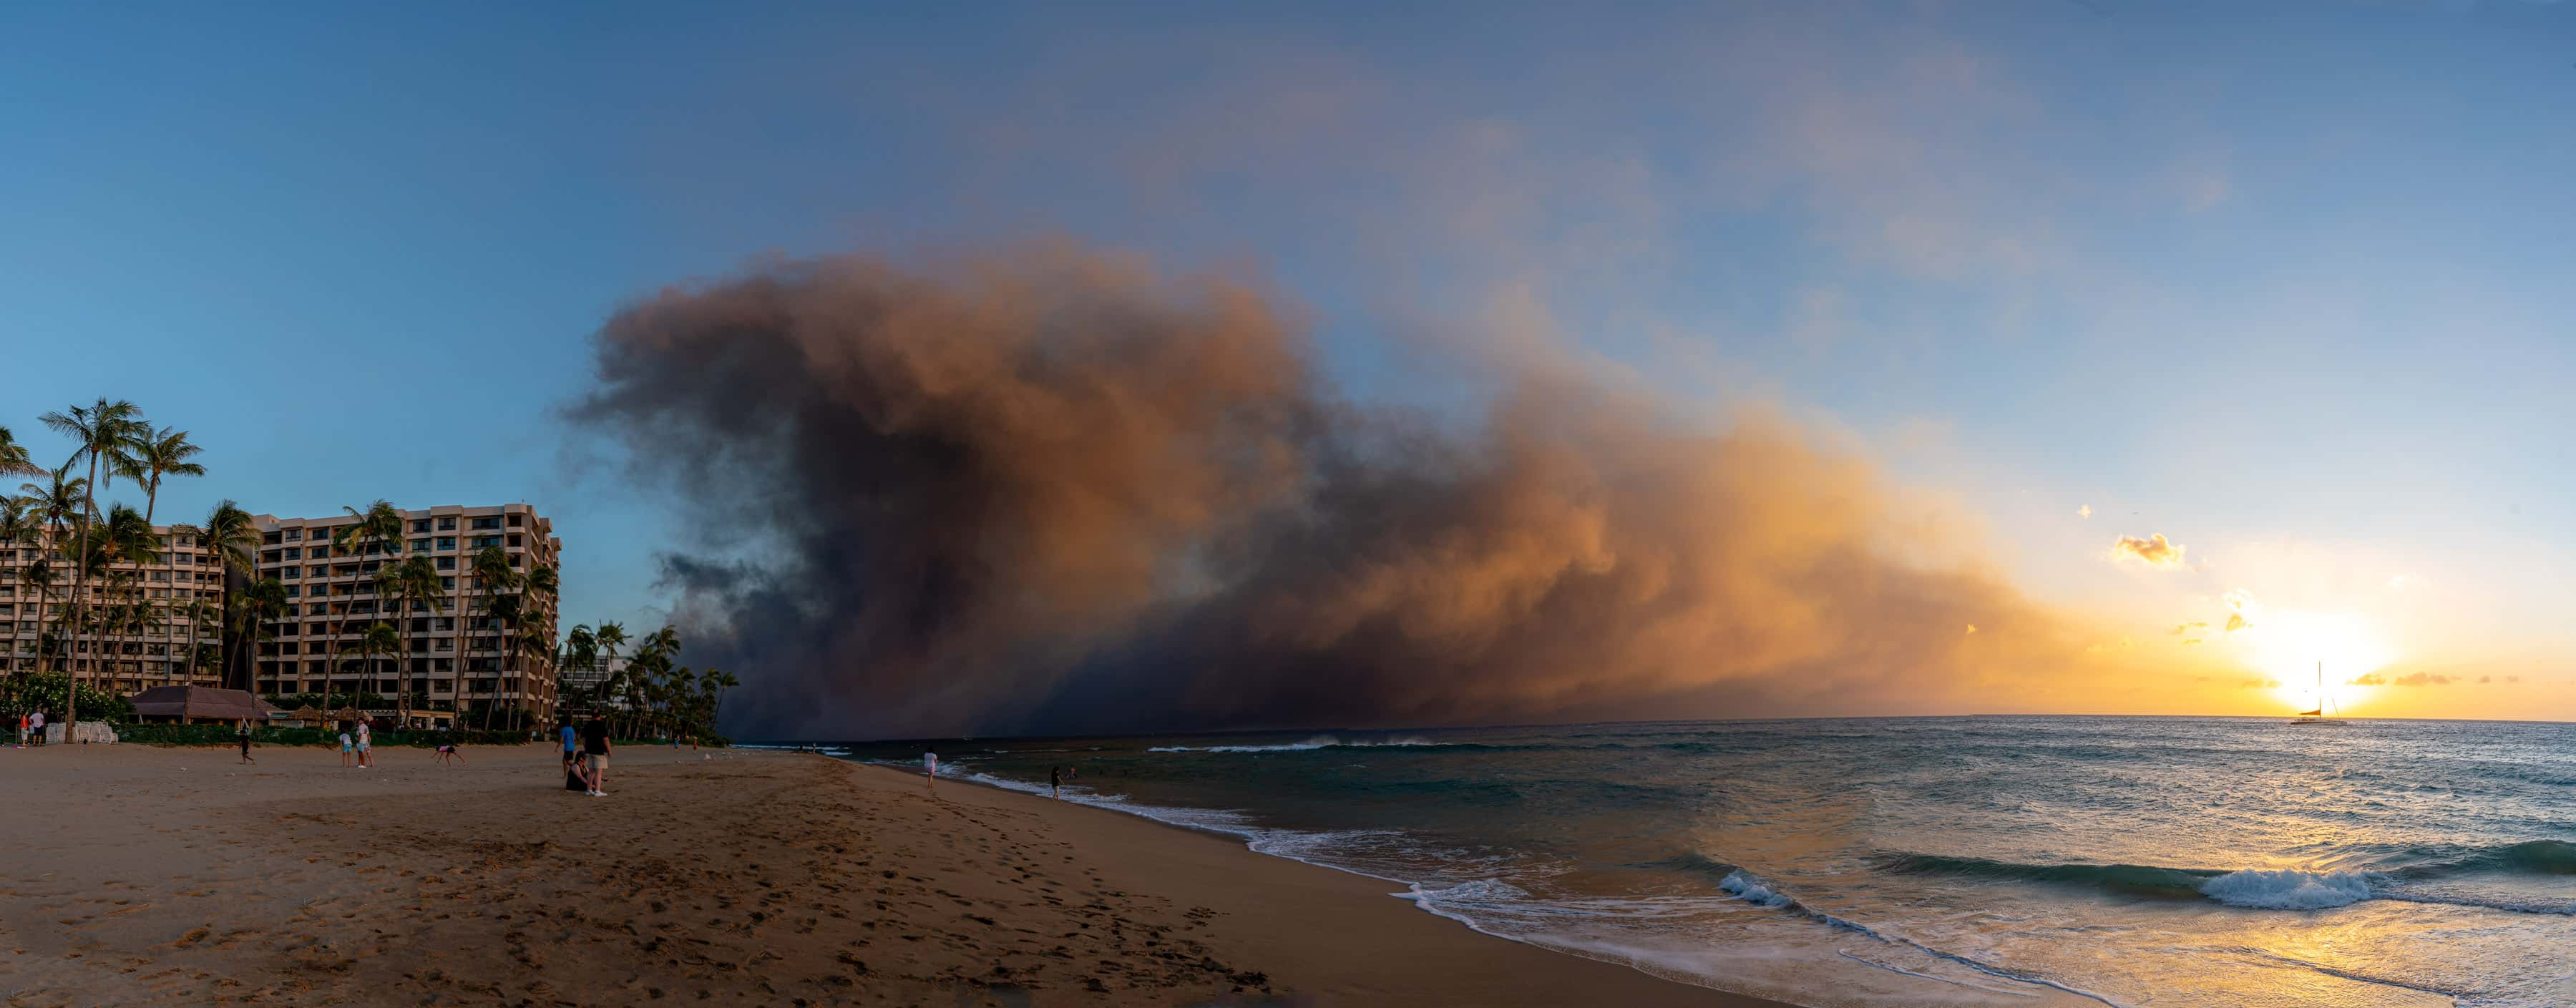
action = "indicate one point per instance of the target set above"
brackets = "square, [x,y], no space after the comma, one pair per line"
[448,752]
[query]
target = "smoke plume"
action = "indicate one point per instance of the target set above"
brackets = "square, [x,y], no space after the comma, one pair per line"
[1046,490]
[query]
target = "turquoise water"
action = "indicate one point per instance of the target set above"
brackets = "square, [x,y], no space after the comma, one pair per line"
[1926,861]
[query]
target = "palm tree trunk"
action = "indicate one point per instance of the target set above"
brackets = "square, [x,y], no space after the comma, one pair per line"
[80,580]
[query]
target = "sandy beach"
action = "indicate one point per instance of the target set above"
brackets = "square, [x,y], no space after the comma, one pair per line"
[152,876]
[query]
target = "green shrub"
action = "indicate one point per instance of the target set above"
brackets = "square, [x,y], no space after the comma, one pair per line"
[43,691]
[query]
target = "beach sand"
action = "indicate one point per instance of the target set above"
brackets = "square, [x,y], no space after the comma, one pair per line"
[141,875]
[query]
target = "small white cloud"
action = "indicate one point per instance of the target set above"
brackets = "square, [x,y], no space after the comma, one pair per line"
[2154,551]
[2084,511]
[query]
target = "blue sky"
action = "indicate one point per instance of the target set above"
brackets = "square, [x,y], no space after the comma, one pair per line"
[2286,281]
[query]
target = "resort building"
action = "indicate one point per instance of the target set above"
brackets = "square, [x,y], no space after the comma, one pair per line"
[580,685]
[145,618]
[451,653]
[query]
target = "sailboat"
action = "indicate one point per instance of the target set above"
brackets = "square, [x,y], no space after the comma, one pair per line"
[2319,715]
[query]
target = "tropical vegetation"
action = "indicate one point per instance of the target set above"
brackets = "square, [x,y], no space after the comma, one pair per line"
[651,694]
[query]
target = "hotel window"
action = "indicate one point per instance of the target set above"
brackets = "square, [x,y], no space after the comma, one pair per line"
[321,552]
[291,572]
[514,542]
[270,539]
[447,542]
[447,563]
[292,535]
[487,523]
[514,521]
[420,525]
[447,524]
[316,571]
[293,553]
[447,583]
[294,591]
[420,545]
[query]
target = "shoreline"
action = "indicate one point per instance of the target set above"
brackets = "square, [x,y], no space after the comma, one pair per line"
[741,875]
[1337,901]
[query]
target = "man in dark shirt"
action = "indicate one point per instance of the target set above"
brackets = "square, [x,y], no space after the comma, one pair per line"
[594,743]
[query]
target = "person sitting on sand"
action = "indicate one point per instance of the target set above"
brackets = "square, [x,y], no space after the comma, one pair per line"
[594,744]
[345,746]
[241,731]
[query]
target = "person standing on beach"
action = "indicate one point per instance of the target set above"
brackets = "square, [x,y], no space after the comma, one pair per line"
[36,723]
[594,743]
[241,731]
[572,747]
[930,768]
[344,746]
[22,729]
[365,760]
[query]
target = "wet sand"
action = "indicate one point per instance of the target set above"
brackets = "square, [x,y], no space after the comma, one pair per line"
[152,876]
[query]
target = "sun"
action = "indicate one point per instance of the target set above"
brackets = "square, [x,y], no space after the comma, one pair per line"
[2288,645]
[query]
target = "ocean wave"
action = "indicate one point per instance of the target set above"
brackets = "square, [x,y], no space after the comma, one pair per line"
[2253,889]
[2134,880]
[2260,889]
[1751,890]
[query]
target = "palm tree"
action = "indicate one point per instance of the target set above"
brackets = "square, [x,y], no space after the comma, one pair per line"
[101,431]
[411,583]
[56,504]
[381,639]
[492,576]
[39,576]
[159,453]
[230,535]
[719,682]
[13,457]
[580,650]
[527,641]
[542,587]
[123,536]
[611,636]
[256,609]
[376,528]
[19,526]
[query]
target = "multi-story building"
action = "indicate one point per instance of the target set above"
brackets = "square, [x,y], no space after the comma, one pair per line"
[453,653]
[579,685]
[154,611]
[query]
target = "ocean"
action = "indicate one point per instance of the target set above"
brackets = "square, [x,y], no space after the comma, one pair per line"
[1924,861]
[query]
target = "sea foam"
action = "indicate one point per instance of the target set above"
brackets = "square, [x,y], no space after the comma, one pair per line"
[2287,890]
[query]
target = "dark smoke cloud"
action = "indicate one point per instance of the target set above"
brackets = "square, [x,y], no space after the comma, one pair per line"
[1049,491]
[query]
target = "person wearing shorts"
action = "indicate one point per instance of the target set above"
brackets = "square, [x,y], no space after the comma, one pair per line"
[242,732]
[930,769]
[572,747]
[448,752]
[346,747]
[365,761]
